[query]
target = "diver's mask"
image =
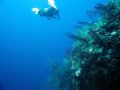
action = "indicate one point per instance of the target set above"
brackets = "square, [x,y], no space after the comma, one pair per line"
[45,9]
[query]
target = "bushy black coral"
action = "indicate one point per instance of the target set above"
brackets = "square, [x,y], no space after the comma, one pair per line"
[100,59]
[94,59]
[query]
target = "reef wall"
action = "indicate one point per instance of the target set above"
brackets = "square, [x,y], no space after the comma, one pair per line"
[93,61]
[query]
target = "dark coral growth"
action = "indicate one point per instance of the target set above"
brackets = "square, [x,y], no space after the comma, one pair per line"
[93,62]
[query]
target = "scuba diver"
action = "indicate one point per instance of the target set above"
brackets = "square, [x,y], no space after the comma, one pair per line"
[50,12]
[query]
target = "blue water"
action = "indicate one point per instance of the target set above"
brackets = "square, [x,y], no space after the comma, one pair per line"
[28,42]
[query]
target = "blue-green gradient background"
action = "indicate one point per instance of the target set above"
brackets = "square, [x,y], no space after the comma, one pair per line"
[28,41]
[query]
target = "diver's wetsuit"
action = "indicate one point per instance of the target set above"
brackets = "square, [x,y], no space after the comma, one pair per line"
[50,13]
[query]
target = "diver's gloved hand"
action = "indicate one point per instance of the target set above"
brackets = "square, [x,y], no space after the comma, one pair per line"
[36,10]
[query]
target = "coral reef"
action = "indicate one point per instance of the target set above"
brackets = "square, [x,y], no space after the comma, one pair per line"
[93,61]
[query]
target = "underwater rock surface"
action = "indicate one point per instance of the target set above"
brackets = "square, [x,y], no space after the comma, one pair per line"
[93,61]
